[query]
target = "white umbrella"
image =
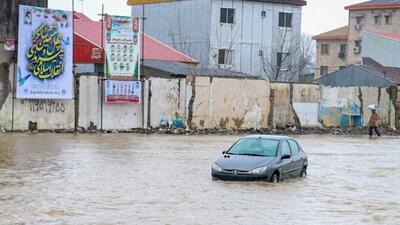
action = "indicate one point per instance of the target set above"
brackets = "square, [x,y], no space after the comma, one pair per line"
[373,106]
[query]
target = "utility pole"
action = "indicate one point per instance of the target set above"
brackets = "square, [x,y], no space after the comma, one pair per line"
[101,77]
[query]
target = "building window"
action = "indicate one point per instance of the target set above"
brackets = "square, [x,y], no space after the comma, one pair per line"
[281,57]
[324,49]
[357,46]
[357,43]
[377,20]
[360,20]
[285,19]
[388,19]
[227,15]
[225,57]
[324,70]
[342,52]
[343,48]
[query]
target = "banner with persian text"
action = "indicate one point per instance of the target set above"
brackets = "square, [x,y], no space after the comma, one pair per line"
[44,54]
[122,47]
[122,91]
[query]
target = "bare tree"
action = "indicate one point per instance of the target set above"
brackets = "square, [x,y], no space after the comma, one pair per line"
[307,52]
[283,62]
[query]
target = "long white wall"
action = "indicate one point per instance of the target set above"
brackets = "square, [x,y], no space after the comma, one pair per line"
[218,103]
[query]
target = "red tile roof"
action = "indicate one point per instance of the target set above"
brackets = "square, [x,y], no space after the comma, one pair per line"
[90,31]
[375,4]
[339,34]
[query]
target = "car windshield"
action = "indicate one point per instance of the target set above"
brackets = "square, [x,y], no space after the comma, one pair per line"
[256,147]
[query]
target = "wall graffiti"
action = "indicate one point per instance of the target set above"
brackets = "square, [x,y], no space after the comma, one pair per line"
[48,106]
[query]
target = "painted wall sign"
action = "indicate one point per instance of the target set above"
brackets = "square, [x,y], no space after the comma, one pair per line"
[44,54]
[117,91]
[122,48]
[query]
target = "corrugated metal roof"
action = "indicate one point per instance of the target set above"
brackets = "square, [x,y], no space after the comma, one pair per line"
[353,76]
[390,73]
[370,74]
[177,68]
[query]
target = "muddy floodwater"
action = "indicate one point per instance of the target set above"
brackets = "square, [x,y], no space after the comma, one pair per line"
[135,179]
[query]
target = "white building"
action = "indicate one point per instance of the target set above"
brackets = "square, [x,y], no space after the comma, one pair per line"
[382,47]
[254,37]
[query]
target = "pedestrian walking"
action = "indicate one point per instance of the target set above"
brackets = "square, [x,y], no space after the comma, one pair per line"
[373,122]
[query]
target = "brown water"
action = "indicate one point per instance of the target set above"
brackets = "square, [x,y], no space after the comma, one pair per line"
[133,179]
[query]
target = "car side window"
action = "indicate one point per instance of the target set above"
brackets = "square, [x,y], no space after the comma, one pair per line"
[294,147]
[285,149]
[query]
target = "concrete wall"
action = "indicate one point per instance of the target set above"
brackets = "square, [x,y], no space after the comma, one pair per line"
[48,114]
[218,103]
[284,113]
[168,99]
[115,116]
[231,103]
[342,106]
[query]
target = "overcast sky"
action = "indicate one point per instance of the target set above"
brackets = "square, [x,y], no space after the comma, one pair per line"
[318,16]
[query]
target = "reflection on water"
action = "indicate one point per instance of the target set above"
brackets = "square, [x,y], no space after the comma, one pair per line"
[134,179]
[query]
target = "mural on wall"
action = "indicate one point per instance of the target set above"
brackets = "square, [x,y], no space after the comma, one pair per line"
[44,54]
[122,47]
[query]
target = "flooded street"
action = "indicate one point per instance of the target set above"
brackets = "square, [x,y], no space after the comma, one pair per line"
[134,179]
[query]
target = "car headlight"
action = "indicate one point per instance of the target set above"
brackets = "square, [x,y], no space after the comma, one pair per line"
[259,170]
[217,168]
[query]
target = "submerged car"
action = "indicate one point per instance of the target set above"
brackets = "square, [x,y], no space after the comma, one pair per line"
[261,157]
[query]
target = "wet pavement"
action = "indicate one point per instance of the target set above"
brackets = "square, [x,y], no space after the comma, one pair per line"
[154,179]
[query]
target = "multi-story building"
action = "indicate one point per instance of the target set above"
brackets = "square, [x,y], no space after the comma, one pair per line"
[375,16]
[259,37]
[331,51]
[369,16]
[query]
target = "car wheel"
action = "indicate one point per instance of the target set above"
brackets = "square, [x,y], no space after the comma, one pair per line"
[303,172]
[275,178]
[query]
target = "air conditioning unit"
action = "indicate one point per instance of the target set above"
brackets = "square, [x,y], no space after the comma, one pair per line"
[357,50]
[358,26]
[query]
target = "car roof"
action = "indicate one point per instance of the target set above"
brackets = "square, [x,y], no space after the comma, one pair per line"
[271,137]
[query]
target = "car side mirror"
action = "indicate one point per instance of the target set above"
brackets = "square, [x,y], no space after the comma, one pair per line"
[286,156]
[223,152]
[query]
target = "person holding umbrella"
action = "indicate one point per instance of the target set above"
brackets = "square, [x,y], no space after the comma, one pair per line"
[373,121]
